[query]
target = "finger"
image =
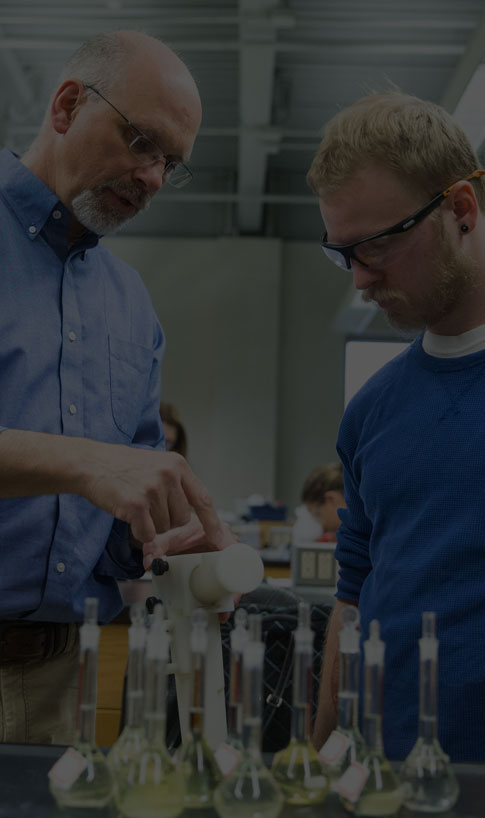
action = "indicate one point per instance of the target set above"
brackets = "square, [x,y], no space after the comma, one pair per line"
[179,508]
[142,525]
[170,507]
[147,561]
[200,499]
[159,510]
[186,538]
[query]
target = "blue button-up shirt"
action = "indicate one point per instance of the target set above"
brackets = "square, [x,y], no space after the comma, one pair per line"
[80,355]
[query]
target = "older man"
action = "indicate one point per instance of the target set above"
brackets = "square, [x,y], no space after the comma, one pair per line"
[84,480]
[403,203]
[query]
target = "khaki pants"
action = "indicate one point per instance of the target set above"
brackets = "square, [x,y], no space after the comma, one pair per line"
[38,700]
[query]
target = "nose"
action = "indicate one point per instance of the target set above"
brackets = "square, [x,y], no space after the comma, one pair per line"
[364,276]
[151,176]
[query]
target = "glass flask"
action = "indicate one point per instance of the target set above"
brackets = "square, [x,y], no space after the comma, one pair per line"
[345,745]
[92,790]
[430,784]
[250,790]
[130,741]
[148,783]
[297,769]
[379,792]
[196,758]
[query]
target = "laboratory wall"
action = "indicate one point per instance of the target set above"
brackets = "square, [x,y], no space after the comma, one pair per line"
[251,362]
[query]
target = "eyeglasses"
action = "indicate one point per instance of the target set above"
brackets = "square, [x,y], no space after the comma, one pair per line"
[384,247]
[147,152]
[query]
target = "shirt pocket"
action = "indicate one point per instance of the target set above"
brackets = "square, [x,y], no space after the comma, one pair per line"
[129,367]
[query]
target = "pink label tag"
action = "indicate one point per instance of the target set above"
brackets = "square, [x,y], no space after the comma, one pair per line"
[67,769]
[334,748]
[227,758]
[351,783]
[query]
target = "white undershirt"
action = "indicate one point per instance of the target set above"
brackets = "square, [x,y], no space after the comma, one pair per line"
[454,346]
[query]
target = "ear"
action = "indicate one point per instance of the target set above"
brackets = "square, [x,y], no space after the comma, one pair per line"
[66,104]
[463,206]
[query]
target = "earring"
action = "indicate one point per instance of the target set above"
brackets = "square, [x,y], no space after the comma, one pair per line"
[464,228]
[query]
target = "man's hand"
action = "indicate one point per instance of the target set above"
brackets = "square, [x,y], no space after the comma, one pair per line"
[152,491]
[190,538]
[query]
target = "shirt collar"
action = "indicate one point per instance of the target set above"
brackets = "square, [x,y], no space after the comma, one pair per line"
[31,200]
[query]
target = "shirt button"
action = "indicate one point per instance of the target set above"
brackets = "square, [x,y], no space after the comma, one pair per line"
[56,214]
[73,409]
[72,336]
[32,228]
[60,567]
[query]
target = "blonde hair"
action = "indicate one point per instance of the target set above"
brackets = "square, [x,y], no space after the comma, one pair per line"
[414,138]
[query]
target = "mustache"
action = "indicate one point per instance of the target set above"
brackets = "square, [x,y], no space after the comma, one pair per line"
[375,294]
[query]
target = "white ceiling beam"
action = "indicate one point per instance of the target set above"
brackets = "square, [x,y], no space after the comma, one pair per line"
[328,51]
[332,18]
[472,57]
[265,134]
[257,39]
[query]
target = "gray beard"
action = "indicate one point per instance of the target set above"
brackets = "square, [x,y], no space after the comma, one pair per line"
[86,209]
[90,209]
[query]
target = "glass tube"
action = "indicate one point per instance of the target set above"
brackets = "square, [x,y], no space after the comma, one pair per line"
[196,758]
[130,741]
[430,784]
[346,744]
[149,785]
[250,791]
[297,768]
[381,794]
[239,637]
[93,789]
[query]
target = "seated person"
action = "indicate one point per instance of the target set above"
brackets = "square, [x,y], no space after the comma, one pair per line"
[323,495]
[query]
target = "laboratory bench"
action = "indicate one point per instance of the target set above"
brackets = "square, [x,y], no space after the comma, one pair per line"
[25,793]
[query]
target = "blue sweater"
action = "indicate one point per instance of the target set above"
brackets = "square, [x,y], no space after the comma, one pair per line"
[412,539]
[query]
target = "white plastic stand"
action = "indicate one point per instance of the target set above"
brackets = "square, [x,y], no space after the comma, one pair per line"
[207,581]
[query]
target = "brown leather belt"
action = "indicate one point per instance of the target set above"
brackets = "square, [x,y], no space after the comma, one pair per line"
[32,641]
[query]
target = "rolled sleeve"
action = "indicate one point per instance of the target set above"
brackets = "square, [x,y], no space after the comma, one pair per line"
[120,559]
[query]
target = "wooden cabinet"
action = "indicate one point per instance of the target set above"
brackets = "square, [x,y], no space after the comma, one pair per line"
[113,656]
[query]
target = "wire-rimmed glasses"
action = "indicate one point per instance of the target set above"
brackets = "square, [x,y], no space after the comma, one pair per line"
[147,152]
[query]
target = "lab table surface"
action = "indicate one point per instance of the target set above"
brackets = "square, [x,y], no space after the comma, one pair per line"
[24,791]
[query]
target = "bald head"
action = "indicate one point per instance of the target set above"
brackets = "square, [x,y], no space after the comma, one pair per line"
[109,61]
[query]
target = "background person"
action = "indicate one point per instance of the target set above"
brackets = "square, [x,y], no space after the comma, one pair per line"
[402,200]
[323,496]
